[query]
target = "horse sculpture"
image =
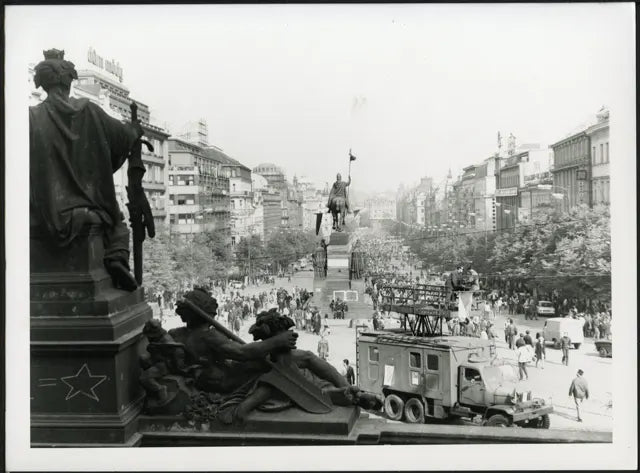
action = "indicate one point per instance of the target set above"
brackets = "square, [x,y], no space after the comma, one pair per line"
[338,210]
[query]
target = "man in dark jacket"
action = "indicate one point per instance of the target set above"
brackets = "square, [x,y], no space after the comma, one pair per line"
[351,376]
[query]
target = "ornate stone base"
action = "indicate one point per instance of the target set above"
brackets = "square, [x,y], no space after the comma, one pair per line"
[85,337]
[291,422]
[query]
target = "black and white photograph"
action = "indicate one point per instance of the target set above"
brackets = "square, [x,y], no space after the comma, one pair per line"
[321,237]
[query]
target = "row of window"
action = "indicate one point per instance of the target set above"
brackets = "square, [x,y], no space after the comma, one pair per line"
[570,152]
[600,154]
[415,359]
[190,219]
[153,174]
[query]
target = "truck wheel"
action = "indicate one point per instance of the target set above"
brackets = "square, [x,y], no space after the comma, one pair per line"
[603,352]
[497,420]
[557,345]
[414,411]
[393,407]
[576,345]
[544,422]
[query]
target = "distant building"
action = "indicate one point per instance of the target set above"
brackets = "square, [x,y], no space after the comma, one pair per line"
[381,208]
[259,185]
[240,194]
[196,133]
[273,174]
[198,191]
[518,174]
[572,169]
[598,134]
[484,197]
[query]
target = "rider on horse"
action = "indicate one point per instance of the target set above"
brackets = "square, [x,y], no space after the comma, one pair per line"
[339,189]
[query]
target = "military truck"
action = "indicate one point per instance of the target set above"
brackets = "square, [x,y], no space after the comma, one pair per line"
[424,374]
[444,378]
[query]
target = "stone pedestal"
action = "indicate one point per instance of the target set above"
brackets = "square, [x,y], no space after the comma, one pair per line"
[84,347]
[337,279]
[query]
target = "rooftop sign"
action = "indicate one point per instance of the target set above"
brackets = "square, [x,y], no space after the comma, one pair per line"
[111,66]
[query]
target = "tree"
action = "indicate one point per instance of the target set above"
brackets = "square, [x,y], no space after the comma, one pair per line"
[251,255]
[286,246]
[193,259]
[218,243]
[573,249]
[159,265]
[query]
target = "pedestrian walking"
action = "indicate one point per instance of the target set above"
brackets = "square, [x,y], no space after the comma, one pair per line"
[323,348]
[565,345]
[579,390]
[349,373]
[511,333]
[527,338]
[525,355]
[540,351]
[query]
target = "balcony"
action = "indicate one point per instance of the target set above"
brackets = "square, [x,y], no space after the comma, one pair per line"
[156,186]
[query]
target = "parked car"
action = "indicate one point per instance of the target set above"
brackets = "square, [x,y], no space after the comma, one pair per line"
[555,328]
[546,308]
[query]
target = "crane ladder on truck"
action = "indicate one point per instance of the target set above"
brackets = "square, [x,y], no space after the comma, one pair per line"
[426,303]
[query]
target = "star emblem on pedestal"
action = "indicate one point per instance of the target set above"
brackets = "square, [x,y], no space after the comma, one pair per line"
[83,382]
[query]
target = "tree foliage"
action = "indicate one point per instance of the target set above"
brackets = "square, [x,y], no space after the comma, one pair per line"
[574,247]
[286,246]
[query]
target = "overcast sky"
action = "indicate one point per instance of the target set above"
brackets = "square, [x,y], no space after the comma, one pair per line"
[412,90]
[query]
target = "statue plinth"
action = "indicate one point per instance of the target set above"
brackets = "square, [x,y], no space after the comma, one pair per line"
[85,337]
[337,283]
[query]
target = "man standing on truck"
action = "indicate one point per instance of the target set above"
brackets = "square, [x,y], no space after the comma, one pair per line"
[579,389]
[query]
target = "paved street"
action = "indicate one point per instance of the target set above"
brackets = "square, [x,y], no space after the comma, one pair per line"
[551,383]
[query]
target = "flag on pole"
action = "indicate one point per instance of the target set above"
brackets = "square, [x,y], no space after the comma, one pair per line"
[351,157]
[318,222]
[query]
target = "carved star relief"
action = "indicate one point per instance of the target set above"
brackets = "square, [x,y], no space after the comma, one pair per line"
[83,382]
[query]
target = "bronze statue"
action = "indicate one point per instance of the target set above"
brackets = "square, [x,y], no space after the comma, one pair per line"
[338,202]
[268,374]
[75,148]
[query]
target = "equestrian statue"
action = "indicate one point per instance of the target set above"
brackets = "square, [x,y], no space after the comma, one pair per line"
[338,202]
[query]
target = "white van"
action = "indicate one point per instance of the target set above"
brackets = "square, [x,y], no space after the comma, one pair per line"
[555,328]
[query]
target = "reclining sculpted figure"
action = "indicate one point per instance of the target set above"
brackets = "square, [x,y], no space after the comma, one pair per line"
[270,373]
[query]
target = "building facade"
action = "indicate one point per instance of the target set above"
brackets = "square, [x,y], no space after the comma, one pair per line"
[198,191]
[484,195]
[598,134]
[274,175]
[381,208]
[572,169]
[240,194]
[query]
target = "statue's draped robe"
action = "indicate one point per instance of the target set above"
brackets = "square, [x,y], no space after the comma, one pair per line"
[75,148]
[339,189]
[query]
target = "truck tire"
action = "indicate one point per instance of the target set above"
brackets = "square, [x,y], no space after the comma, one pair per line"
[497,420]
[544,422]
[393,407]
[557,345]
[577,345]
[414,411]
[603,352]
